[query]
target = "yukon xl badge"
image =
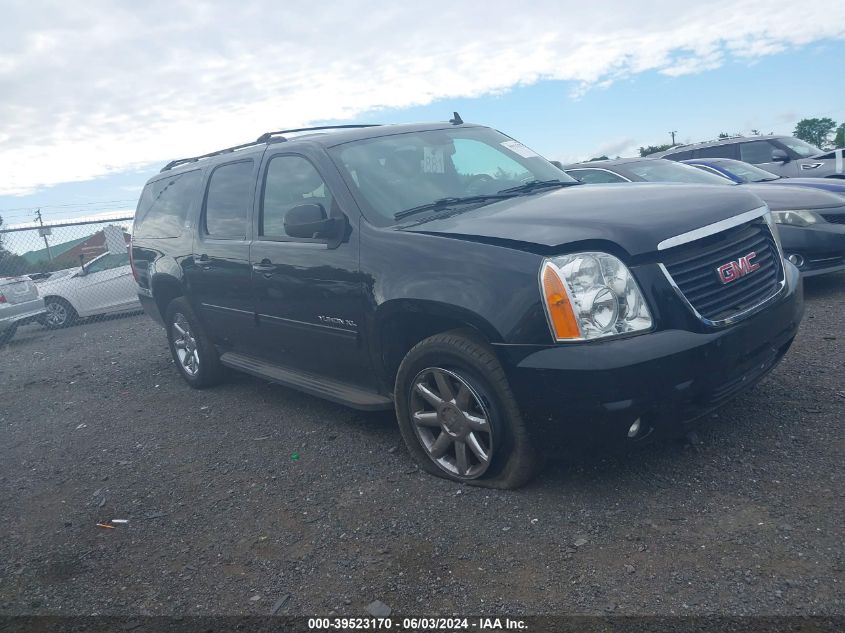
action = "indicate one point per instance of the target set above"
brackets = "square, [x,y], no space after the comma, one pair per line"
[328,320]
[734,270]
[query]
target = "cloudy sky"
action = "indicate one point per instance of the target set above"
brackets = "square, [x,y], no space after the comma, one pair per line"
[97,95]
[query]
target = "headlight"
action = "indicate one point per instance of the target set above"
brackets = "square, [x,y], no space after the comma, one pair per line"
[795,218]
[590,296]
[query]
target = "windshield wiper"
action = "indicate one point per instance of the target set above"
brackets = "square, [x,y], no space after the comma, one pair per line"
[532,185]
[769,179]
[445,203]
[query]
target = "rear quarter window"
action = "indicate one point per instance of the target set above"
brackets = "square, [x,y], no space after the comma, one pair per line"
[166,203]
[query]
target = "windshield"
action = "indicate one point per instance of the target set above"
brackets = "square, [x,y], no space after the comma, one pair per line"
[658,170]
[406,171]
[748,173]
[798,146]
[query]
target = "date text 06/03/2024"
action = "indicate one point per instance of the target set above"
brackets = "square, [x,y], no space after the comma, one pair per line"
[418,624]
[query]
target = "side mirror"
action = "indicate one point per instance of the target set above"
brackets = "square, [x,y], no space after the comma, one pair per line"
[779,156]
[82,270]
[310,221]
[557,164]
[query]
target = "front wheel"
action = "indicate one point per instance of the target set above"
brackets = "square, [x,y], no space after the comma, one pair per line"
[193,352]
[458,416]
[59,313]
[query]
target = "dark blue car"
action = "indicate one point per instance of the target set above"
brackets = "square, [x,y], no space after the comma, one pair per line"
[741,173]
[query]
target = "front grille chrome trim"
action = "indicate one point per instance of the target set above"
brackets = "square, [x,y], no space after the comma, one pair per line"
[706,231]
[712,229]
[734,318]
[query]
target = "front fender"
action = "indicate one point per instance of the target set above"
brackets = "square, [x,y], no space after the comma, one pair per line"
[492,288]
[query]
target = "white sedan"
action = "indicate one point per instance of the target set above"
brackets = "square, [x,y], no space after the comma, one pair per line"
[102,286]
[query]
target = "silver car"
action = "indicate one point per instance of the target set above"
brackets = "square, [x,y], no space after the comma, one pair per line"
[19,303]
[783,155]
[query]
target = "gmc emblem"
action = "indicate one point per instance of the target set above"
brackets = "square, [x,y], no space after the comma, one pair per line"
[734,270]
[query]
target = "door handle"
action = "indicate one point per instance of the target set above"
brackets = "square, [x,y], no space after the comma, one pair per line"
[265,266]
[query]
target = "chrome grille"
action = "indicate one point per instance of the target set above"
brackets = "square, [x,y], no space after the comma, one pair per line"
[693,268]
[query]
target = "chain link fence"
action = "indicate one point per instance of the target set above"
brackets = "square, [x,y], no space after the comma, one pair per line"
[64,272]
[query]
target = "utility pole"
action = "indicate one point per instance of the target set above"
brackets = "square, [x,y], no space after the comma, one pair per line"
[44,233]
[673,132]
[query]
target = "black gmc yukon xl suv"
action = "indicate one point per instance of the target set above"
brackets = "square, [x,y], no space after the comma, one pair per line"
[449,272]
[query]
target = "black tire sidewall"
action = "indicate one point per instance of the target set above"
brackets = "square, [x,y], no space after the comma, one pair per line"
[209,369]
[8,334]
[445,356]
[69,311]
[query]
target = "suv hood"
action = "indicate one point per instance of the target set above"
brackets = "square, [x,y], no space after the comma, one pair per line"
[780,198]
[635,216]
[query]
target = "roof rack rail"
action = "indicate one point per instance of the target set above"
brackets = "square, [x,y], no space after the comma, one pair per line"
[268,135]
[712,140]
[193,159]
[264,138]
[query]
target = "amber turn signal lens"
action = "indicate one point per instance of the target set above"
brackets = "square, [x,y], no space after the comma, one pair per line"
[560,312]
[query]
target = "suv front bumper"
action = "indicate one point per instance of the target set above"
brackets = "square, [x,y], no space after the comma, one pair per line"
[665,378]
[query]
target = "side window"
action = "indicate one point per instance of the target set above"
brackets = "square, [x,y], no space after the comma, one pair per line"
[756,152]
[595,176]
[165,204]
[107,262]
[290,182]
[717,151]
[228,199]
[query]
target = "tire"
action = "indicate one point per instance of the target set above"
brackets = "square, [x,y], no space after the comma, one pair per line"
[60,314]
[480,391]
[7,334]
[193,352]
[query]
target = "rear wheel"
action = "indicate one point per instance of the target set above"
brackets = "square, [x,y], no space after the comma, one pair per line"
[458,416]
[7,334]
[193,352]
[59,313]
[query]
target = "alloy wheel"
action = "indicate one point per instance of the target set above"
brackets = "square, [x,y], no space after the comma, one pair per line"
[451,422]
[186,345]
[56,314]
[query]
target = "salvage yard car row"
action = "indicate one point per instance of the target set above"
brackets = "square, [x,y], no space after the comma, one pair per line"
[811,220]
[58,299]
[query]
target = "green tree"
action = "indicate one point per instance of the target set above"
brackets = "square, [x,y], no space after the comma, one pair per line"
[839,139]
[815,131]
[598,158]
[651,149]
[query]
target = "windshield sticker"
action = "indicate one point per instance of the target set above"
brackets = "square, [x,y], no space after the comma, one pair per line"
[433,161]
[518,148]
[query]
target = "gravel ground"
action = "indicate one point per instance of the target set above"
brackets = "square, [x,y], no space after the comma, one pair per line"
[251,497]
